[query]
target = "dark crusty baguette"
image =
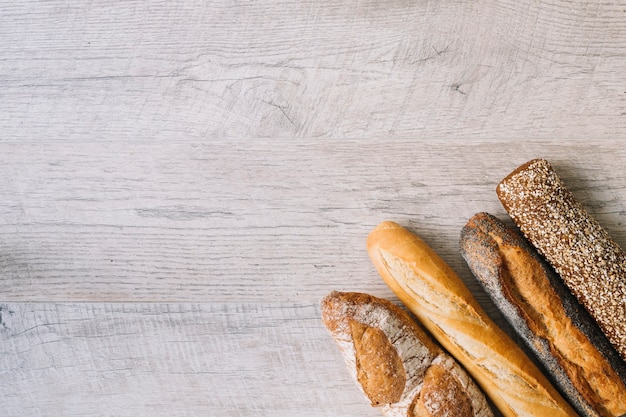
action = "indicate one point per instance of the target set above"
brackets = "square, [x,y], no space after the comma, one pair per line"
[547,317]
[445,306]
[591,264]
[395,363]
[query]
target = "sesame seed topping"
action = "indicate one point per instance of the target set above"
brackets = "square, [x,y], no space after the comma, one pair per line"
[589,261]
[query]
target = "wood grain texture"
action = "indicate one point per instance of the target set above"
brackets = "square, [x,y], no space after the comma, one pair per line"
[273,220]
[171,360]
[187,71]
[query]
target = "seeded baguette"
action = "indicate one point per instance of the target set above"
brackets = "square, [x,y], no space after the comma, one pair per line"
[580,359]
[445,306]
[395,363]
[589,261]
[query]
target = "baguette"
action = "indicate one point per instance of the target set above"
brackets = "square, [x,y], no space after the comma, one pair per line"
[445,306]
[591,264]
[396,365]
[582,362]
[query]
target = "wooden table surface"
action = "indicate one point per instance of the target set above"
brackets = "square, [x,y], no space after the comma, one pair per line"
[181,182]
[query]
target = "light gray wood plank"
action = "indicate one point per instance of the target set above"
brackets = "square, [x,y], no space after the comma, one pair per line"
[270,220]
[172,360]
[187,71]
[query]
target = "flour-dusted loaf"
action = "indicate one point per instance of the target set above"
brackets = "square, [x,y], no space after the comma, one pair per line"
[445,306]
[589,261]
[544,313]
[395,363]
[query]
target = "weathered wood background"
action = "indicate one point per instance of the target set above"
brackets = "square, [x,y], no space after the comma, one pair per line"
[181,182]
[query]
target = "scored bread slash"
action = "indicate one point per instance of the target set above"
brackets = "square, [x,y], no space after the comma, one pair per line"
[549,319]
[398,367]
[446,307]
[589,261]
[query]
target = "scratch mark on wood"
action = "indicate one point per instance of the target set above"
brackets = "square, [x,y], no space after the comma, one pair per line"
[443,51]
[457,87]
[30,329]
[437,53]
[3,309]
[182,213]
[283,111]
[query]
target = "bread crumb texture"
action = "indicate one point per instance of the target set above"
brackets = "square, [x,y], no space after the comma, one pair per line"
[442,396]
[395,363]
[379,367]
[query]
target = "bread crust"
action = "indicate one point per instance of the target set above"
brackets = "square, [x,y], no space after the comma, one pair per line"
[445,306]
[589,261]
[399,354]
[543,312]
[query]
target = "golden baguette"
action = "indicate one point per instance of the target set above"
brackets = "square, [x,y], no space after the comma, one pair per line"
[446,307]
